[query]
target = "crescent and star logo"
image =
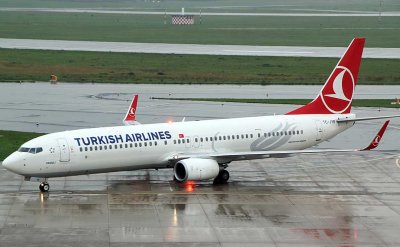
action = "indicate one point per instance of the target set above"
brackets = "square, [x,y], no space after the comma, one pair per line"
[132,112]
[338,92]
[376,141]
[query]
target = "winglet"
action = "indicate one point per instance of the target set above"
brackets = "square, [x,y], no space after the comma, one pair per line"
[375,142]
[130,117]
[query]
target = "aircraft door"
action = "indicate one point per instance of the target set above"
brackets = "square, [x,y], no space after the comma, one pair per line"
[64,150]
[320,130]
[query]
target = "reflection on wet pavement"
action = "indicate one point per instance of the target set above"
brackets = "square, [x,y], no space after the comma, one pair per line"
[335,200]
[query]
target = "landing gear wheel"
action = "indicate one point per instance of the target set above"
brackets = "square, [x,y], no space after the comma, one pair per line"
[224,174]
[44,187]
[222,177]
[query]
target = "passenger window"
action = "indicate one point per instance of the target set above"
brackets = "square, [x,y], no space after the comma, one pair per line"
[206,139]
[251,135]
[86,149]
[211,139]
[183,140]
[140,144]
[201,139]
[145,144]
[130,145]
[242,136]
[105,147]
[285,133]
[233,137]
[135,145]
[120,146]
[110,146]
[100,147]
[81,149]
[165,142]
[126,145]
[302,131]
[95,148]
[150,143]
[91,148]
[228,137]
[196,140]
[224,138]
[179,141]
[259,135]
[116,146]
[155,143]
[187,140]
[237,136]
[281,133]
[174,141]
[247,136]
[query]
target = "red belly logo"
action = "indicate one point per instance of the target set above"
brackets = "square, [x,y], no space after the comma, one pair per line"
[338,91]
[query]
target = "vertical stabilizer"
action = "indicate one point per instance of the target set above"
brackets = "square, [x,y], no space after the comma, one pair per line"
[336,95]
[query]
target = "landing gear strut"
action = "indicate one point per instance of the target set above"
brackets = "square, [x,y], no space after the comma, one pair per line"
[222,177]
[44,187]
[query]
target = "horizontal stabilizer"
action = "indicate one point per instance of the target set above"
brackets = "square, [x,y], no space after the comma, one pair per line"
[365,118]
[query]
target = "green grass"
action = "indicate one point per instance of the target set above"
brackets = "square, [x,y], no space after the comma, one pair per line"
[69,66]
[356,102]
[233,30]
[229,5]
[10,141]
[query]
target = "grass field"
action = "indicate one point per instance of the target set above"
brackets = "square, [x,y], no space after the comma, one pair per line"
[384,103]
[69,66]
[217,5]
[233,30]
[10,141]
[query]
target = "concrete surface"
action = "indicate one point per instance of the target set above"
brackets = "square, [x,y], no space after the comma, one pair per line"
[318,200]
[161,48]
[303,200]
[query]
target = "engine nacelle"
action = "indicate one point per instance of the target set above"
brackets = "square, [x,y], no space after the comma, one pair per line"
[195,169]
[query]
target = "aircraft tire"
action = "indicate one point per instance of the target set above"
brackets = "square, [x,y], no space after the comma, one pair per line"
[44,187]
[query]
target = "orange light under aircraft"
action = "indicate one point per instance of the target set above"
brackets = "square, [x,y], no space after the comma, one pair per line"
[190,186]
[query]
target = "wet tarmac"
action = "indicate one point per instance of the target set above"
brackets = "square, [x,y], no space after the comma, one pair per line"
[196,49]
[306,200]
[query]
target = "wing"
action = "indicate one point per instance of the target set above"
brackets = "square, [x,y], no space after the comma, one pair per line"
[235,156]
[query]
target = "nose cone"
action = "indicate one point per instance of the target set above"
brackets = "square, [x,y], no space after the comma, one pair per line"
[11,162]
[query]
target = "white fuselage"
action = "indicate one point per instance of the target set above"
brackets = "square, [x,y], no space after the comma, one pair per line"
[96,150]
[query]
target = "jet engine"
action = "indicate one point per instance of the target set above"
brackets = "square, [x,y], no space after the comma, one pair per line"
[195,169]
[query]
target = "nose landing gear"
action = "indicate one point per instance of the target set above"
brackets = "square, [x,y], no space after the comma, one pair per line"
[44,187]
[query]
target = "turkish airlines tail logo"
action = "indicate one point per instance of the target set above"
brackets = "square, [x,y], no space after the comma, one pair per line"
[336,95]
[131,114]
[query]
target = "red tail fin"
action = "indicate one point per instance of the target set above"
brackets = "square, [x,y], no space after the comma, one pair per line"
[337,93]
[131,114]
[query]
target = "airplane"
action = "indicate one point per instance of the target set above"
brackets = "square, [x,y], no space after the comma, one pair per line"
[130,116]
[198,150]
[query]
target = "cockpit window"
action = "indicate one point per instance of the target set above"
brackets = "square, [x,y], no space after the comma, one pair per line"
[24,150]
[30,150]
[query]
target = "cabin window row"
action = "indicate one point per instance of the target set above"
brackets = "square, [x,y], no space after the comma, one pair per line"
[117,146]
[237,137]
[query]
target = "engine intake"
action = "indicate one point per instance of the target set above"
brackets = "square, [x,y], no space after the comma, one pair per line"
[195,169]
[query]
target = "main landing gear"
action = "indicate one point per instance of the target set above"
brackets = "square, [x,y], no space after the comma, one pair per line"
[44,186]
[222,178]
